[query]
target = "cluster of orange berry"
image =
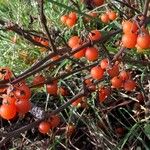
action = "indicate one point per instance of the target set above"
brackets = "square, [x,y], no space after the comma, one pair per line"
[14,99]
[108,16]
[134,36]
[91,53]
[70,20]
[48,125]
[119,80]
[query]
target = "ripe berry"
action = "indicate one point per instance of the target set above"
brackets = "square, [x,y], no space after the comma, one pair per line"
[75,103]
[80,53]
[38,79]
[129,40]
[103,94]
[23,106]
[129,27]
[116,82]
[64,18]
[73,41]
[143,41]
[54,121]
[95,35]
[8,99]
[104,63]
[124,75]
[44,127]
[114,71]
[52,88]
[73,16]
[104,18]
[91,53]
[5,73]
[112,15]
[97,72]
[70,22]
[129,85]
[22,92]
[8,111]
[98,2]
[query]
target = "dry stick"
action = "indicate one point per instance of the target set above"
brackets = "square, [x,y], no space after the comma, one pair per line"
[33,71]
[106,52]
[146,5]
[64,75]
[44,22]
[20,31]
[118,54]
[126,4]
[35,123]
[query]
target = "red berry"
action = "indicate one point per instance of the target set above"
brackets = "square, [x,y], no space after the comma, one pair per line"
[116,82]
[129,85]
[8,111]
[97,72]
[44,127]
[91,53]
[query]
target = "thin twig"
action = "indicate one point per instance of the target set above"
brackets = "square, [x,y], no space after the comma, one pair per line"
[44,24]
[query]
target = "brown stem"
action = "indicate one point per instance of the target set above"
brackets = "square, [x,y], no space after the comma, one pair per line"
[61,51]
[64,75]
[44,22]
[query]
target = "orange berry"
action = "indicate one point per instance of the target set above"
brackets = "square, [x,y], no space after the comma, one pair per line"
[75,103]
[80,53]
[95,35]
[91,53]
[143,41]
[70,22]
[23,106]
[129,85]
[44,127]
[129,40]
[8,111]
[104,63]
[74,41]
[73,15]
[103,94]
[104,18]
[112,15]
[52,88]
[114,71]
[97,72]
[129,27]
[116,82]
[124,75]
[64,18]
